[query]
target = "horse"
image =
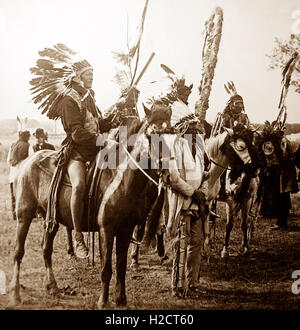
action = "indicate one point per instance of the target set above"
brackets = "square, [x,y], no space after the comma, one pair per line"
[224,154]
[126,195]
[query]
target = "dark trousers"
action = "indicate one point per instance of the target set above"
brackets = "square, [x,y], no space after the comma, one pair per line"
[284,209]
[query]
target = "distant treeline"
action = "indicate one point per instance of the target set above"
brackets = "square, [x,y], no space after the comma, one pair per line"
[9,127]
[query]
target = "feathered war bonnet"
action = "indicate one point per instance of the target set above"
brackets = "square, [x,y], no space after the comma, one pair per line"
[232,92]
[182,118]
[56,70]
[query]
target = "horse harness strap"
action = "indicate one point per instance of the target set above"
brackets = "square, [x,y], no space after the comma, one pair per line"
[225,168]
[138,166]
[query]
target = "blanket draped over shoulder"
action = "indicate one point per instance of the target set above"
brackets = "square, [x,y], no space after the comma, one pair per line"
[186,176]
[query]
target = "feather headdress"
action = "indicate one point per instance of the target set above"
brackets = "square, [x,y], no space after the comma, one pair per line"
[55,70]
[231,90]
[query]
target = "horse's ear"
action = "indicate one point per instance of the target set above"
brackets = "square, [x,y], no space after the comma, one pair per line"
[26,120]
[18,120]
[191,87]
[147,111]
[229,131]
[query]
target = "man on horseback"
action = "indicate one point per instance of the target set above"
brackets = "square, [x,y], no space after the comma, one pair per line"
[80,119]
[232,115]
[17,152]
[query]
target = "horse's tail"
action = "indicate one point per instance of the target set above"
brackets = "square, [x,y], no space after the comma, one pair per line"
[152,221]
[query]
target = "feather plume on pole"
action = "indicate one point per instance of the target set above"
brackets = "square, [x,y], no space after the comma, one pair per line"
[213,28]
[126,58]
[286,79]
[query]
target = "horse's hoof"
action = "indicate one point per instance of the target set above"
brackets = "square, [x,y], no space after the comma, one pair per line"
[14,301]
[164,259]
[52,289]
[103,306]
[135,266]
[224,253]
[245,251]
[121,302]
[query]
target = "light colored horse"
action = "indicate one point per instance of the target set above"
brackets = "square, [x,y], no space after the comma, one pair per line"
[236,203]
[126,194]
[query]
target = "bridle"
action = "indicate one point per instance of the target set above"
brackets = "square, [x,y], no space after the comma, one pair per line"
[225,168]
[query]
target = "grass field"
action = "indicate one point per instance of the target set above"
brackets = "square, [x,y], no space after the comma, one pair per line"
[260,280]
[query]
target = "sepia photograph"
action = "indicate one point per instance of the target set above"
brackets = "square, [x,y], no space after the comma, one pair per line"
[150,158]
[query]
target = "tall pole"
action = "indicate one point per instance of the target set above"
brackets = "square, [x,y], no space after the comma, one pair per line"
[213,28]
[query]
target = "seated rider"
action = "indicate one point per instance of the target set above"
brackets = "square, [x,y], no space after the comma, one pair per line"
[233,114]
[80,119]
[64,89]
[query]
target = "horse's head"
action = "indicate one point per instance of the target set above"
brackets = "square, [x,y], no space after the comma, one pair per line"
[158,117]
[241,153]
[271,144]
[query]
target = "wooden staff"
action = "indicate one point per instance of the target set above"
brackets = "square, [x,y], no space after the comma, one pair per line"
[144,69]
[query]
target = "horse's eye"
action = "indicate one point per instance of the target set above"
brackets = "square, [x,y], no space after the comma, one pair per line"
[154,126]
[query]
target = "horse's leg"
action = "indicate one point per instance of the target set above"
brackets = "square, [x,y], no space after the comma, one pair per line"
[245,208]
[70,242]
[106,247]
[122,244]
[160,245]
[23,224]
[47,246]
[229,225]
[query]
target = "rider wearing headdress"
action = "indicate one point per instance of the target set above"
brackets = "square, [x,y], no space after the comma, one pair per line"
[64,85]
[232,116]
[234,112]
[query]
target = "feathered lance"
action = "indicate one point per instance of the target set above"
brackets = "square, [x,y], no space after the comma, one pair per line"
[136,49]
[124,78]
[286,79]
[210,51]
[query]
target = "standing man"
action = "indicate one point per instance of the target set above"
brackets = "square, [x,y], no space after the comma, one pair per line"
[41,138]
[192,230]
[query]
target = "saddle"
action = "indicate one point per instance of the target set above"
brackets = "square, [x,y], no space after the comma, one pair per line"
[49,163]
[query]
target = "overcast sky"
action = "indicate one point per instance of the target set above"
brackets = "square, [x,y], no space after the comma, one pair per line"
[173,30]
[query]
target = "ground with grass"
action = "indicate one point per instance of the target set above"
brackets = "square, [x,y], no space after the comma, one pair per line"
[262,279]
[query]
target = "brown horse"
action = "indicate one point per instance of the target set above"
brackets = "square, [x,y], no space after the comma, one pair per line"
[126,195]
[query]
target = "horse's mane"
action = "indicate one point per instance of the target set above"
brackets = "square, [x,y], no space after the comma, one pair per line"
[213,145]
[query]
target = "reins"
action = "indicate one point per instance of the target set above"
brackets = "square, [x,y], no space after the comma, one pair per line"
[225,168]
[138,166]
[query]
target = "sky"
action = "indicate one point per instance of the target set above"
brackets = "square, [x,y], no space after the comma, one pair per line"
[173,30]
